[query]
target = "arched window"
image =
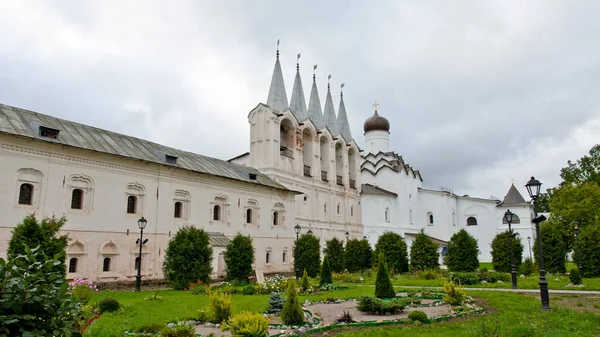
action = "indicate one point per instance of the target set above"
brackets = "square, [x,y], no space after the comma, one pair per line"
[26,194]
[307,152]
[516,219]
[137,263]
[106,264]
[73,265]
[430,218]
[217,212]
[275,218]
[77,199]
[283,256]
[339,164]
[471,221]
[131,204]
[324,154]
[249,215]
[387,214]
[267,256]
[178,209]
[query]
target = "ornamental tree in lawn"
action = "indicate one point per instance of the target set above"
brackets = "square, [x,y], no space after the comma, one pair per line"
[501,252]
[308,254]
[383,283]
[239,256]
[326,272]
[292,313]
[462,252]
[589,243]
[334,249]
[188,258]
[354,256]
[392,245]
[553,248]
[367,254]
[423,253]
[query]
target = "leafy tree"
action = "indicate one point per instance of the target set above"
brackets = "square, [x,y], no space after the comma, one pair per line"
[354,255]
[44,235]
[589,243]
[501,252]
[392,245]
[423,253]
[462,252]
[308,254]
[366,253]
[188,258]
[326,272]
[239,256]
[35,299]
[334,248]
[383,282]
[543,201]
[585,170]
[553,248]
[292,313]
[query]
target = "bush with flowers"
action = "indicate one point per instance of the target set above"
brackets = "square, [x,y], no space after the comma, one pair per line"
[198,288]
[276,284]
[82,289]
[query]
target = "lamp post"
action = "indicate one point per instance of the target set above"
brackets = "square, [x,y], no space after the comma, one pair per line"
[576,231]
[297,229]
[533,188]
[510,217]
[529,240]
[347,236]
[138,279]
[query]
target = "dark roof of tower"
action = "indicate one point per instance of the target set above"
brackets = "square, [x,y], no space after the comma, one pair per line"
[513,197]
[376,123]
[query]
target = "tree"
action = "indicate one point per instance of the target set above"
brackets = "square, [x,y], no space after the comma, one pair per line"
[394,248]
[501,252]
[188,258]
[366,253]
[585,170]
[543,201]
[308,254]
[334,248]
[325,272]
[353,255]
[383,283]
[44,235]
[239,256]
[292,313]
[589,243]
[423,253]
[462,252]
[553,248]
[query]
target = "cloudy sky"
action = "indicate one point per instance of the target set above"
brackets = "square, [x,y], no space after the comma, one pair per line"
[477,92]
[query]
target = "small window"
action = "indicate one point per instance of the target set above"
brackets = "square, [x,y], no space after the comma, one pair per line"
[106,264]
[410,217]
[471,221]
[26,194]
[131,204]
[275,218]
[217,213]
[249,215]
[267,256]
[338,208]
[178,209]
[431,219]
[48,132]
[387,215]
[325,208]
[516,220]
[283,257]
[77,199]
[351,210]
[305,198]
[73,265]
[137,263]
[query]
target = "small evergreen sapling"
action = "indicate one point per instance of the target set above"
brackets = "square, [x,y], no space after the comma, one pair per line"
[325,272]
[305,283]
[575,276]
[292,313]
[383,283]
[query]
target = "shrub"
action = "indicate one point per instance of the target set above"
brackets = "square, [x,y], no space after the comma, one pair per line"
[44,235]
[179,329]
[108,305]
[383,283]
[527,267]
[325,272]
[465,278]
[589,241]
[381,307]
[331,287]
[429,274]
[246,324]
[347,278]
[394,248]
[305,282]
[249,290]
[276,303]
[49,310]
[454,293]
[424,253]
[501,252]
[462,252]
[334,248]
[493,277]
[553,247]
[239,256]
[308,254]
[272,284]
[219,307]
[292,313]
[345,317]
[574,276]
[188,258]
[418,315]
[150,328]
[199,288]
[82,289]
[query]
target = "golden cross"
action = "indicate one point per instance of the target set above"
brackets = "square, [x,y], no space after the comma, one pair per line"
[376,105]
[512,180]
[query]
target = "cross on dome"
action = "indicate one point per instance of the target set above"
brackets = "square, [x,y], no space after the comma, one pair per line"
[376,105]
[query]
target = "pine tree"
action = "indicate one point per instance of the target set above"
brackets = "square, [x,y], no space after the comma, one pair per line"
[325,272]
[305,283]
[462,252]
[383,283]
[423,253]
[334,248]
[292,313]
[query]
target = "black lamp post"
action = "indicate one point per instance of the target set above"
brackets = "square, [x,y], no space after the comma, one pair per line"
[138,279]
[529,240]
[309,231]
[533,188]
[576,231]
[510,217]
[347,236]
[297,229]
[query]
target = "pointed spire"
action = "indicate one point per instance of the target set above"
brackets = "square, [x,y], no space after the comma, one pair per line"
[342,119]
[277,98]
[329,111]
[298,103]
[513,197]
[314,104]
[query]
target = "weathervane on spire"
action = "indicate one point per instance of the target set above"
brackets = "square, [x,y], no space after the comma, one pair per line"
[376,105]
[298,62]
[278,48]
[341,90]
[328,80]
[314,68]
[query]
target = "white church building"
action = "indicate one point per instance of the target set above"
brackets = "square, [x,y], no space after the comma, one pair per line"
[303,168]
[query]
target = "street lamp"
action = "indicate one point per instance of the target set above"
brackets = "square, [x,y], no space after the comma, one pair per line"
[309,231]
[347,236]
[576,231]
[533,188]
[297,229]
[509,217]
[138,279]
[529,240]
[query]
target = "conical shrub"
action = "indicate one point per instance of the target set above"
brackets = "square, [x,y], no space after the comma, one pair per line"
[383,283]
[292,313]
[305,284]
[326,272]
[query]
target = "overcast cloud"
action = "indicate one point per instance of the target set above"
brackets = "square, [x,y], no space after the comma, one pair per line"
[477,92]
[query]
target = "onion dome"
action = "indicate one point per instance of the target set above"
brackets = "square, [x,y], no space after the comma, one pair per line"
[376,123]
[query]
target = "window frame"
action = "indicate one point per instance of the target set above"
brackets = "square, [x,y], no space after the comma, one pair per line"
[469,224]
[104,264]
[21,192]
[135,204]
[73,264]
[81,199]
[178,210]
